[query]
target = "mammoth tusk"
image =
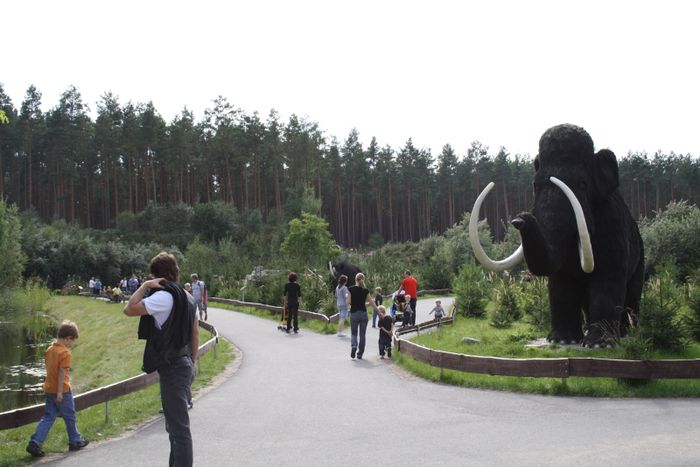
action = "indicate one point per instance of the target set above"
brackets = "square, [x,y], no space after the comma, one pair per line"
[584,240]
[479,252]
[330,268]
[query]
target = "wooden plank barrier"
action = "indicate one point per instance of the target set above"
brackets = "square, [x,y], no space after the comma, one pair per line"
[277,309]
[19,417]
[544,367]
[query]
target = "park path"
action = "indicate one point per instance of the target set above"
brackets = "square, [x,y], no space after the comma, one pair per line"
[300,400]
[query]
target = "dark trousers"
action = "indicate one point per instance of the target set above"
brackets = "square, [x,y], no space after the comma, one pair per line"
[175,379]
[413,307]
[384,343]
[293,315]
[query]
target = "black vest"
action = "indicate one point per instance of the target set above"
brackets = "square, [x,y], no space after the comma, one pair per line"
[162,345]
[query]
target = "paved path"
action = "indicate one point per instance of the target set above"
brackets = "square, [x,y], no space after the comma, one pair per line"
[300,400]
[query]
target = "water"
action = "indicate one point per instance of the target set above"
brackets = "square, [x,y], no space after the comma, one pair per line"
[22,369]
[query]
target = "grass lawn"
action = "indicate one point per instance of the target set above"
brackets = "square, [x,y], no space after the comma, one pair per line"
[511,343]
[106,352]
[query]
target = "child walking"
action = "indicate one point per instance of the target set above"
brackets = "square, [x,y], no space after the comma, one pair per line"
[378,300]
[407,311]
[438,310]
[385,332]
[58,395]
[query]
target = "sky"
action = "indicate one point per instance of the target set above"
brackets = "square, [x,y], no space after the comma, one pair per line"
[439,72]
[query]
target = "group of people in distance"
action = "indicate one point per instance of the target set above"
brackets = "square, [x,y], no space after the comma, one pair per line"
[353,300]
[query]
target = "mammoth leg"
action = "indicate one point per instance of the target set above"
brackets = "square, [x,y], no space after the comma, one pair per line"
[630,316]
[565,302]
[606,300]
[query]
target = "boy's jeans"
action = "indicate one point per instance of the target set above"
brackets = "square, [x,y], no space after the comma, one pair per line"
[51,411]
[358,320]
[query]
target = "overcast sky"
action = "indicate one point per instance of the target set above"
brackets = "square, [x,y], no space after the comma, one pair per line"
[439,72]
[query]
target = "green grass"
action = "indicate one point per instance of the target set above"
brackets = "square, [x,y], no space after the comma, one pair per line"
[510,343]
[312,324]
[106,352]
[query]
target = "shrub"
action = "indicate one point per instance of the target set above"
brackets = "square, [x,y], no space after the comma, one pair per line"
[506,311]
[673,234]
[534,302]
[694,304]
[471,290]
[660,320]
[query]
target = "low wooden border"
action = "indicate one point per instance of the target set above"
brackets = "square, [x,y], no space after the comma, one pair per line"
[20,417]
[277,309]
[544,367]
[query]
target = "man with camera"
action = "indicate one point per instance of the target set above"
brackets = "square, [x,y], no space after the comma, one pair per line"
[169,325]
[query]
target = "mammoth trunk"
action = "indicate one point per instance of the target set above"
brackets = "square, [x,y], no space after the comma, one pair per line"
[541,258]
[544,253]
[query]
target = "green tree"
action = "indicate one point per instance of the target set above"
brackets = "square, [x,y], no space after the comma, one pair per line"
[12,259]
[308,243]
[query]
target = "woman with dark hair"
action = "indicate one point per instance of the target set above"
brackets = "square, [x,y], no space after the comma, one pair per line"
[292,292]
[359,297]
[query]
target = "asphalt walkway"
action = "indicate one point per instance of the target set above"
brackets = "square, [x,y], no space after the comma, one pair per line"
[300,400]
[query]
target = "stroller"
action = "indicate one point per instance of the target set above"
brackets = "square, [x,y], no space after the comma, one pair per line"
[398,305]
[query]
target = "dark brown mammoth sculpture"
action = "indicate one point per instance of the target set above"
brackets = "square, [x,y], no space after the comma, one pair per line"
[581,235]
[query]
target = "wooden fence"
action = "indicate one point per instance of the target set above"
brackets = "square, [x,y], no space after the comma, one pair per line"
[543,367]
[26,415]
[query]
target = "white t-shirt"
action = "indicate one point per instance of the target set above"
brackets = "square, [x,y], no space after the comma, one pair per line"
[159,305]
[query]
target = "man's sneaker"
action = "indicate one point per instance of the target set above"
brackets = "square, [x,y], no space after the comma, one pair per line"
[353,352]
[78,446]
[359,356]
[34,449]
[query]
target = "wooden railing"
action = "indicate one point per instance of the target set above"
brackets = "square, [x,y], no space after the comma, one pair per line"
[543,367]
[277,309]
[26,415]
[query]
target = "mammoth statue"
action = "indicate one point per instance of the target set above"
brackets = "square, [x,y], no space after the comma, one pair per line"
[581,235]
[341,268]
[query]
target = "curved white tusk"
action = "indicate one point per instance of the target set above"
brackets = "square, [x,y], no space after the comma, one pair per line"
[585,250]
[479,252]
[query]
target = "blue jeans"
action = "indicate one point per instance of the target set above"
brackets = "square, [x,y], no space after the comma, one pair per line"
[175,379]
[51,411]
[414,302]
[358,321]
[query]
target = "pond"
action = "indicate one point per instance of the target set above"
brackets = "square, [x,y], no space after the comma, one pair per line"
[22,369]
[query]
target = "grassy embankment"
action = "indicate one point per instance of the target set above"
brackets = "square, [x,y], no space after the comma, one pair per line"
[510,343]
[106,352]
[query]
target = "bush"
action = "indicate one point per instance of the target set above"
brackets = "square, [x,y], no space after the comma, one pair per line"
[314,293]
[660,320]
[471,291]
[673,234]
[506,311]
[694,304]
[534,301]
[435,268]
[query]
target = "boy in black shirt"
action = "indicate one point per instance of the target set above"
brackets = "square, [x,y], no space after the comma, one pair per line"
[385,332]
[292,292]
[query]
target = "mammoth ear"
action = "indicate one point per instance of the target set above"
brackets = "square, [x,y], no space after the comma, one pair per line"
[605,174]
[537,163]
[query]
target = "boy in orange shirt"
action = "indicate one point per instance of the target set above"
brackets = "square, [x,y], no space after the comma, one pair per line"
[57,389]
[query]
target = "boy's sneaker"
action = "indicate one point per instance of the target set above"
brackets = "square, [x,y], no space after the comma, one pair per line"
[353,352]
[34,449]
[78,446]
